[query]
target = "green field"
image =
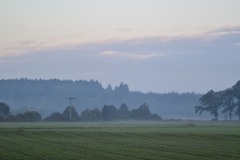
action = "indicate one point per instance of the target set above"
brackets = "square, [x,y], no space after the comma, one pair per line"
[144,140]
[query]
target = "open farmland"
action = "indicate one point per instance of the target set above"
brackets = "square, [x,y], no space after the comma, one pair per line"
[156,140]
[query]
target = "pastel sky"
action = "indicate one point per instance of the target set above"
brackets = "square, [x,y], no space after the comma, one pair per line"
[152,45]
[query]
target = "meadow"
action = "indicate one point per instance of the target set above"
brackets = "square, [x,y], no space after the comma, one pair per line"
[121,140]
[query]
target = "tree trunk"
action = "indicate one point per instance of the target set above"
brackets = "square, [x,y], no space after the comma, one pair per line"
[226,117]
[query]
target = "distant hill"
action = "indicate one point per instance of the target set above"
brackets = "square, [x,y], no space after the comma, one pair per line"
[48,96]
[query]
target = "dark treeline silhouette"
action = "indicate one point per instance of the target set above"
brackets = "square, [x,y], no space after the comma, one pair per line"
[48,96]
[107,113]
[28,116]
[226,102]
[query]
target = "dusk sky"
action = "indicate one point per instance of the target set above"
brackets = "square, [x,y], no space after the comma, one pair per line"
[152,45]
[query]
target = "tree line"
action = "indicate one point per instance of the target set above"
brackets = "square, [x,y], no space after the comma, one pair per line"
[107,113]
[28,116]
[226,102]
[47,96]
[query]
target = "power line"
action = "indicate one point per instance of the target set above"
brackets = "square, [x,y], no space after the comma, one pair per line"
[70,100]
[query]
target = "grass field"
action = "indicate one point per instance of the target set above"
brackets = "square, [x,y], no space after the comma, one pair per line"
[102,141]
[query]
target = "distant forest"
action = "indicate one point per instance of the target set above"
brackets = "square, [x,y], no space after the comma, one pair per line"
[49,96]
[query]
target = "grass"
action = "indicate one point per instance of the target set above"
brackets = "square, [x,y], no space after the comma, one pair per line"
[103,141]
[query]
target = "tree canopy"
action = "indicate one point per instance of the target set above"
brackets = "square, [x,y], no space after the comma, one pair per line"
[4,109]
[228,101]
[111,113]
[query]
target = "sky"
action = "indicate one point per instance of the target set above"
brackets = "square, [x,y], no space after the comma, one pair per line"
[152,45]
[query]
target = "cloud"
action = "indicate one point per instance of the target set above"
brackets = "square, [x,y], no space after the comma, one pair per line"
[227,30]
[146,48]
[23,47]
[110,53]
[141,57]
[124,29]
[128,55]
[161,64]
[136,48]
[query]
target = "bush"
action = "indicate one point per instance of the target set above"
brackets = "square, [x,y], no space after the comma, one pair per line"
[56,116]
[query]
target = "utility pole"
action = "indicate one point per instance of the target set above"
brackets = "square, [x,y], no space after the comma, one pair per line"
[70,100]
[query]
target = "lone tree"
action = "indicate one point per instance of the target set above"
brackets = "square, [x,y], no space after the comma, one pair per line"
[4,109]
[123,112]
[109,112]
[210,102]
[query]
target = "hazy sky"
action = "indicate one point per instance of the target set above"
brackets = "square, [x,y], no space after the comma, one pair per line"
[152,45]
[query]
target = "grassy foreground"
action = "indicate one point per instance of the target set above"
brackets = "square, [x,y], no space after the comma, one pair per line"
[156,140]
